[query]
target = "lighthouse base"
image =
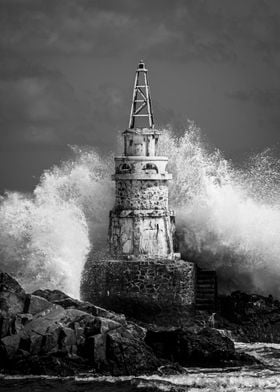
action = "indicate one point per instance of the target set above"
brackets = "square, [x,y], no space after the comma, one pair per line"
[152,291]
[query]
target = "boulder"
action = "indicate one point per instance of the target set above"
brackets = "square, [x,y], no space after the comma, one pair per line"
[12,302]
[250,317]
[59,298]
[43,321]
[12,295]
[57,328]
[205,348]
[37,304]
[126,355]
[9,284]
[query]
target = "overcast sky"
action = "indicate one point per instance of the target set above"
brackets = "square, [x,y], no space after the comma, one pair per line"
[67,69]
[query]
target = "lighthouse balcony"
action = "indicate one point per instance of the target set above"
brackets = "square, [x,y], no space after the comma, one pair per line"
[133,213]
[142,166]
[142,176]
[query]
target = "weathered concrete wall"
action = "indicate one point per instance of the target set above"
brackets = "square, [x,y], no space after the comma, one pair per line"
[146,290]
[140,223]
[141,142]
[145,233]
[141,195]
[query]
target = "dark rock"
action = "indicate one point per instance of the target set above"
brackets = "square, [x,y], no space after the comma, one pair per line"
[6,322]
[12,301]
[38,304]
[95,351]
[137,331]
[250,318]
[10,285]
[58,364]
[59,298]
[49,332]
[118,352]
[126,355]
[43,321]
[103,325]
[205,348]
[57,336]
[10,345]
[55,329]
[21,320]
[52,295]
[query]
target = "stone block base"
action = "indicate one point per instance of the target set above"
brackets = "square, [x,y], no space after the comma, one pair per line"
[152,291]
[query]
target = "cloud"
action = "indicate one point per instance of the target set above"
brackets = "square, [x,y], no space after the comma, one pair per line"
[40,108]
[263,97]
[192,30]
[67,27]
[217,31]
[37,106]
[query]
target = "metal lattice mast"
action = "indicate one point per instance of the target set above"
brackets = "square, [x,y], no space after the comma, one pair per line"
[141,100]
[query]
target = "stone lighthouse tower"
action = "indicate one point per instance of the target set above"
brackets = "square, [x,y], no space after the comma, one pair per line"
[141,275]
[141,224]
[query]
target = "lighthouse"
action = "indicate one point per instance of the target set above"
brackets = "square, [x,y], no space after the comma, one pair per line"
[141,224]
[140,274]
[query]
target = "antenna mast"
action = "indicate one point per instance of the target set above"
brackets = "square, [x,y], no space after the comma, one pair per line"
[141,101]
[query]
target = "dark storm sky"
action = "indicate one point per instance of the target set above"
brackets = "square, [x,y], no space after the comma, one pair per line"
[67,68]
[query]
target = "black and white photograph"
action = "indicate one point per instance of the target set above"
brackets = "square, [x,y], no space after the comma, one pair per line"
[139,195]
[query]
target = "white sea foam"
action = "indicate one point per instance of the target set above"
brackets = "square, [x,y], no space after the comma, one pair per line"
[227,218]
[45,237]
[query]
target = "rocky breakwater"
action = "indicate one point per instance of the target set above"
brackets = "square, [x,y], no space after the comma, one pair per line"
[250,317]
[48,332]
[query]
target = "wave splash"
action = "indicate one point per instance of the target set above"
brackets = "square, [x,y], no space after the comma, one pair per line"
[227,218]
[45,237]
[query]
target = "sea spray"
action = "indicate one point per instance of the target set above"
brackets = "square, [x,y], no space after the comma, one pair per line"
[227,218]
[45,237]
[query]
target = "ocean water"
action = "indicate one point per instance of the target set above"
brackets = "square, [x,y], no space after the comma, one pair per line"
[254,379]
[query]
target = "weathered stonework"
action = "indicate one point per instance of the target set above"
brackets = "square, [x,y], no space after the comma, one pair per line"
[146,290]
[141,194]
[141,223]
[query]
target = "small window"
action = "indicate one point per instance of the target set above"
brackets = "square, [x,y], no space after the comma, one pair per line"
[130,142]
[150,167]
[124,168]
